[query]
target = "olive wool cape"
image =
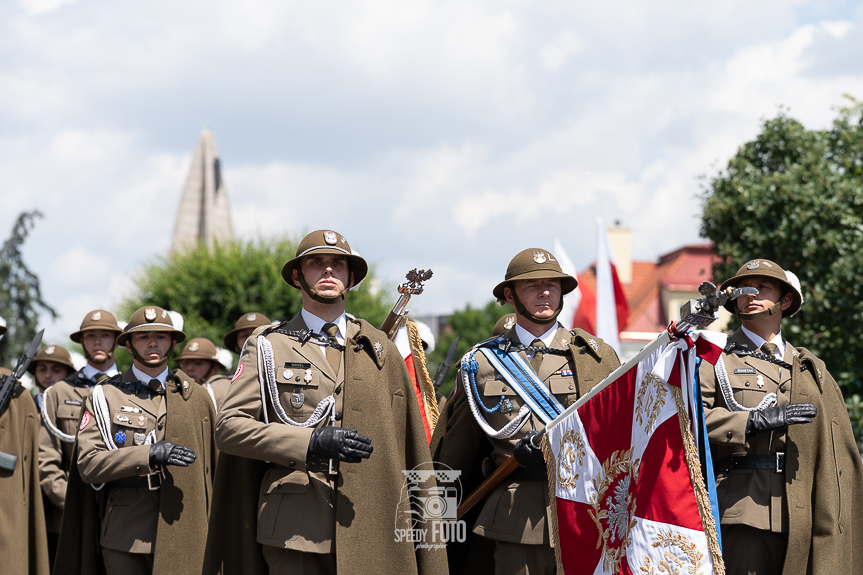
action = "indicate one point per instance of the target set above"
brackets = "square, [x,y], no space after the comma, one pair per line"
[23,539]
[823,478]
[185,494]
[379,402]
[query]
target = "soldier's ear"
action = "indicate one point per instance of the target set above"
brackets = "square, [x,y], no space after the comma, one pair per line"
[787,300]
[295,277]
[351,280]
[507,293]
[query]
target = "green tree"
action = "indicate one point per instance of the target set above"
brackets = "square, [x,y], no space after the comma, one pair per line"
[472,326]
[795,196]
[212,287]
[20,295]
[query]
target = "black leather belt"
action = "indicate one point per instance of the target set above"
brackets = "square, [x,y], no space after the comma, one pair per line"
[529,474]
[775,462]
[330,466]
[152,482]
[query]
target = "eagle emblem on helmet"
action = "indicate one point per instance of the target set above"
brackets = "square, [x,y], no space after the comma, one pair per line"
[251,317]
[753,265]
[97,315]
[539,257]
[150,314]
[193,346]
[330,238]
[49,350]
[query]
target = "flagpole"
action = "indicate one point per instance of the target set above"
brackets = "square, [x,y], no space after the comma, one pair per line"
[694,313]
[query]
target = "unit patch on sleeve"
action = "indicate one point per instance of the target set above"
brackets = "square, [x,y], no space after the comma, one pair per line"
[85,420]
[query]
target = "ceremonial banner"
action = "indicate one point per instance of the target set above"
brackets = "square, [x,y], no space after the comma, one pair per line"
[409,344]
[625,476]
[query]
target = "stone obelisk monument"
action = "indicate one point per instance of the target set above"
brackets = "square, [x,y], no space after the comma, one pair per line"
[204,214]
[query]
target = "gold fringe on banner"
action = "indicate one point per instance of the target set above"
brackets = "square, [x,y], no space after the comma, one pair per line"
[551,469]
[701,496]
[423,378]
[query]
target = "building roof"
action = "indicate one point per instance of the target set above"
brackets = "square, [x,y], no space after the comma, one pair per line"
[682,270]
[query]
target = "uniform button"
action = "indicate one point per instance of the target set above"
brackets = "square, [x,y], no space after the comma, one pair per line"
[503,388]
[138,468]
[291,464]
[571,387]
[278,486]
[297,378]
[782,388]
[729,435]
[338,390]
[161,425]
[747,384]
[338,416]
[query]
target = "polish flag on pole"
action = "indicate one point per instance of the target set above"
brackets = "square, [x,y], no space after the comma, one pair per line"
[612,311]
[414,359]
[572,300]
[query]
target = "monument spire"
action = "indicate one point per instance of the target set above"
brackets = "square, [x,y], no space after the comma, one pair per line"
[204,214]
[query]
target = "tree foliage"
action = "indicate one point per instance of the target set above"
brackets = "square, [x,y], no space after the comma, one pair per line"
[795,196]
[472,326]
[20,295]
[212,287]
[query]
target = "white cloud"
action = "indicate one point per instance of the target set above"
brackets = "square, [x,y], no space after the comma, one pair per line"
[34,7]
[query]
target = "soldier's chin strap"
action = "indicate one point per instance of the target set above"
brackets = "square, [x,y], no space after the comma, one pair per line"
[314,295]
[91,360]
[519,307]
[158,363]
[772,310]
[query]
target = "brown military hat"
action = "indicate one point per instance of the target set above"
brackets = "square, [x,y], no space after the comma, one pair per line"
[150,318]
[247,320]
[535,263]
[199,348]
[326,242]
[504,324]
[767,269]
[53,353]
[97,319]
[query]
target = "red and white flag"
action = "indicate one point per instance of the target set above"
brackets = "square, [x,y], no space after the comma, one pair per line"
[624,469]
[603,312]
[572,300]
[408,353]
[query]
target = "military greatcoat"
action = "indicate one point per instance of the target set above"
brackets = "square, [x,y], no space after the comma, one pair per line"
[265,495]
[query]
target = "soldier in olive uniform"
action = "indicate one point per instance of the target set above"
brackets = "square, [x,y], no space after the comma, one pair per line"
[61,411]
[200,361]
[770,409]
[244,327]
[52,364]
[331,386]
[123,450]
[486,414]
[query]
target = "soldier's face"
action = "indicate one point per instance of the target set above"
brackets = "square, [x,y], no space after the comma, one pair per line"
[539,297]
[197,369]
[152,346]
[769,292]
[243,335]
[99,344]
[328,274]
[49,372]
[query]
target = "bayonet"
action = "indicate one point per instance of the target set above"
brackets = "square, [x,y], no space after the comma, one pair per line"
[444,366]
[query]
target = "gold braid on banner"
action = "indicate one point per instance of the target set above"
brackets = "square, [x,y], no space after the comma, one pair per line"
[423,378]
[551,468]
[701,496]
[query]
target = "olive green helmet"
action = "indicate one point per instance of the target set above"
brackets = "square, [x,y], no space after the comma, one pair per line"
[97,319]
[249,320]
[767,269]
[324,242]
[53,353]
[535,263]
[199,348]
[150,318]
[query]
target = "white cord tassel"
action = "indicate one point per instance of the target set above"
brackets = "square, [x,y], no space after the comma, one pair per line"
[725,386]
[504,432]
[49,425]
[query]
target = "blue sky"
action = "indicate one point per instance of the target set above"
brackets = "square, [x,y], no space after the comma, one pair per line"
[447,134]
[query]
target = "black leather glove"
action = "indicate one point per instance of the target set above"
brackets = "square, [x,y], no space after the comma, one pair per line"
[776,417]
[339,443]
[527,454]
[167,453]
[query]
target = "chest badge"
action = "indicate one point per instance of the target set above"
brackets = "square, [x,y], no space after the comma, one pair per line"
[139,438]
[759,379]
[120,437]
[592,343]
[287,374]
[308,376]
[141,421]
[297,399]
[379,349]
[122,419]
[506,407]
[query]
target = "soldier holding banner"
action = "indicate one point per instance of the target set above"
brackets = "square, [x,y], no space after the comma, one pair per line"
[789,476]
[493,412]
